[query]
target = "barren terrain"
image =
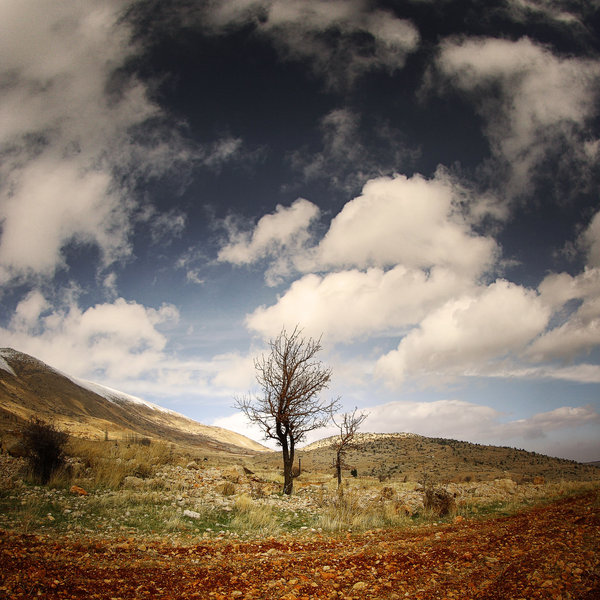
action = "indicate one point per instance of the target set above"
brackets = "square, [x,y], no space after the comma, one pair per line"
[547,551]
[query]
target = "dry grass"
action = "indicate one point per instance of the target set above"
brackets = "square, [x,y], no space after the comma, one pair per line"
[250,515]
[350,509]
[107,464]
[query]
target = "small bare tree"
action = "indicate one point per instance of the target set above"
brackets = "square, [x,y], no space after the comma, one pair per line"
[348,427]
[289,406]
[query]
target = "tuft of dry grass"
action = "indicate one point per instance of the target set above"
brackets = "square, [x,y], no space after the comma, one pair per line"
[250,515]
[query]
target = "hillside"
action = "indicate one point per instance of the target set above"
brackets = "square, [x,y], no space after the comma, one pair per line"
[30,387]
[410,457]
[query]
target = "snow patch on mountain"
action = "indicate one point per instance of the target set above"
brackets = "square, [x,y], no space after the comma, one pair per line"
[120,397]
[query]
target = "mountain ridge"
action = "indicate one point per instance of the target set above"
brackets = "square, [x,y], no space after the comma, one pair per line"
[29,387]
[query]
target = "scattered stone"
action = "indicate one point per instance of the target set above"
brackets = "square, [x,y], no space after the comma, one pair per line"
[192,514]
[79,491]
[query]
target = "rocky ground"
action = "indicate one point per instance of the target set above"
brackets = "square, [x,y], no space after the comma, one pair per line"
[547,552]
[193,530]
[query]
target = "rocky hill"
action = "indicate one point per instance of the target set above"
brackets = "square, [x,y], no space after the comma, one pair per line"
[29,387]
[411,457]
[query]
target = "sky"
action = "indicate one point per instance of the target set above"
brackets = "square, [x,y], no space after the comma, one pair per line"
[415,182]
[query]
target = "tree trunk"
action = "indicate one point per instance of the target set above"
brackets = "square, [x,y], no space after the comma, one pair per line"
[288,463]
[288,479]
[338,468]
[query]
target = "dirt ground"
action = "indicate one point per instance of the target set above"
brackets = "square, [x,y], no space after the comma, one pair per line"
[549,551]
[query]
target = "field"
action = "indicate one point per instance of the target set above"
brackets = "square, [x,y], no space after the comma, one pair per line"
[131,520]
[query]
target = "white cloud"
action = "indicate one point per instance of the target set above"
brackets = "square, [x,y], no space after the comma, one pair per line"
[124,345]
[69,120]
[398,251]
[280,235]
[415,222]
[351,304]
[521,10]
[467,333]
[29,310]
[579,335]
[55,203]
[579,331]
[237,422]
[300,30]
[590,240]
[543,100]
[114,341]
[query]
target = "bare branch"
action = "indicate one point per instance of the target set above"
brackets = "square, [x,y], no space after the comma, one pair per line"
[348,427]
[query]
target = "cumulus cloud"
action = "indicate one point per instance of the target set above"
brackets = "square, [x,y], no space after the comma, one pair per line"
[117,340]
[350,304]
[412,221]
[55,203]
[280,235]
[532,100]
[399,250]
[467,333]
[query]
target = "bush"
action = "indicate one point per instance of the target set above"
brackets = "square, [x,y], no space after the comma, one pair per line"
[438,501]
[44,446]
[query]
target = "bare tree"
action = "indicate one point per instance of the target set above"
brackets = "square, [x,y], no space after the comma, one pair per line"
[289,406]
[348,427]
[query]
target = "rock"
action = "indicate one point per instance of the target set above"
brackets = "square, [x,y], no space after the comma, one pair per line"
[539,480]
[234,474]
[18,450]
[192,514]
[358,586]
[75,489]
[192,465]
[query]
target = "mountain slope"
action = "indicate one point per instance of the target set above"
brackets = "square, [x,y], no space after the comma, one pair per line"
[29,387]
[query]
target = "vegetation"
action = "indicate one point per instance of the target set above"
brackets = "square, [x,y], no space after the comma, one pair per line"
[291,379]
[44,446]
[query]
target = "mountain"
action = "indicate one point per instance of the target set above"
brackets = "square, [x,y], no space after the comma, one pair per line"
[29,387]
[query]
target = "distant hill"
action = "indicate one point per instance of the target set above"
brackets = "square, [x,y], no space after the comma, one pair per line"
[29,387]
[410,457]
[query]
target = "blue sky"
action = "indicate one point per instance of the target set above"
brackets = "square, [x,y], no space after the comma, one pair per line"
[415,182]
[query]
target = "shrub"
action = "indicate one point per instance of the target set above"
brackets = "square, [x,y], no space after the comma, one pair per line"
[44,446]
[438,501]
